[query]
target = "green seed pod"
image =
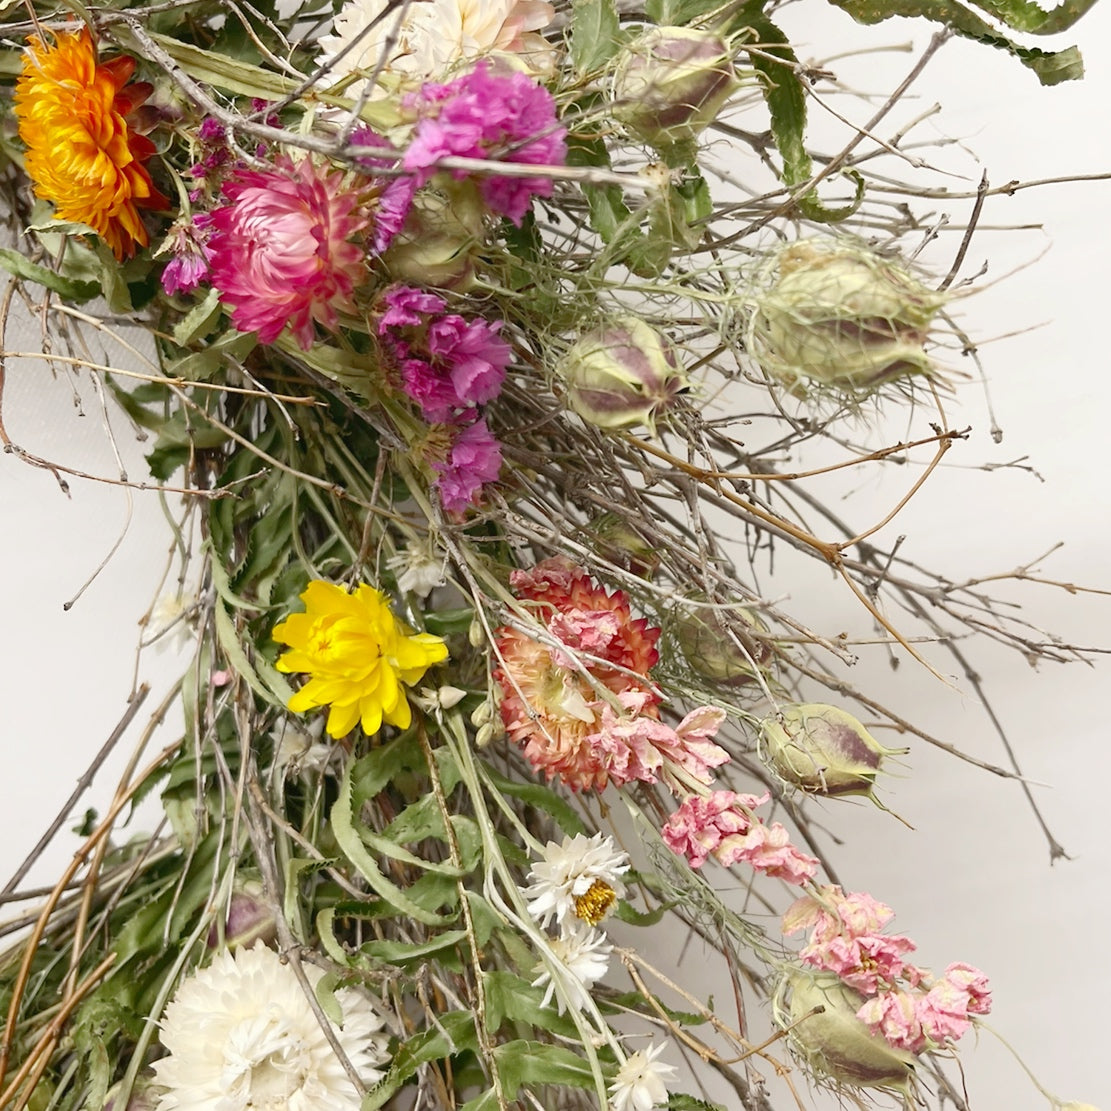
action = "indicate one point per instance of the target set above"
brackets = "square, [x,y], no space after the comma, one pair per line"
[621,374]
[823,750]
[436,245]
[250,918]
[620,543]
[834,313]
[671,82]
[725,648]
[834,1042]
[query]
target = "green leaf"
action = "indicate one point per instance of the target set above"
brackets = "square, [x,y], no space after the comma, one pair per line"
[510,997]
[543,798]
[198,321]
[1051,67]
[350,840]
[786,100]
[525,1062]
[401,954]
[454,1033]
[232,646]
[68,288]
[678,13]
[595,34]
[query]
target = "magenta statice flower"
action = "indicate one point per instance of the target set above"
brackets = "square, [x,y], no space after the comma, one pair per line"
[396,195]
[447,363]
[282,251]
[474,460]
[491,116]
[191,257]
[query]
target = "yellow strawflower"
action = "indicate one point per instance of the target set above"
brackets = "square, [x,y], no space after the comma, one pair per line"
[357,655]
[81,154]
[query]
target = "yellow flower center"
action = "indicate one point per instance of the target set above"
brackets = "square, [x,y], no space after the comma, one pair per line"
[594,903]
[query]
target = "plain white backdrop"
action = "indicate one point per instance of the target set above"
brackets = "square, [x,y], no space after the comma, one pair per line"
[973,881]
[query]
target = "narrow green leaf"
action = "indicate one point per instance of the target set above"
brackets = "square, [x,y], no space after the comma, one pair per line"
[401,954]
[350,840]
[76,291]
[198,320]
[454,1033]
[525,1062]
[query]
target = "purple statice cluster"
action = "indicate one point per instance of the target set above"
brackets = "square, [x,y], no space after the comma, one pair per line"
[448,365]
[492,116]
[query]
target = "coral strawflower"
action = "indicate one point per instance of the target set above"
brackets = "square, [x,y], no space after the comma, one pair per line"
[358,656]
[81,154]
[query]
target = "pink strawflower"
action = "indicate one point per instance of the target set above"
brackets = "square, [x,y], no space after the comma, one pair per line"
[491,116]
[474,460]
[896,1016]
[553,702]
[768,849]
[281,250]
[447,363]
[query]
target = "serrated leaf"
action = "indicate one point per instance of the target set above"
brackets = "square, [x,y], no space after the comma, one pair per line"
[543,798]
[510,997]
[678,13]
[525,1062]
[401,954]
[595,34]
[72,290]
[198,320]
[1050,67]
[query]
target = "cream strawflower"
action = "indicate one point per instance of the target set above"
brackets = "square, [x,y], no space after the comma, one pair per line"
[578,881]
[640,1082]
[585,957]
[431,37]
[241,1036]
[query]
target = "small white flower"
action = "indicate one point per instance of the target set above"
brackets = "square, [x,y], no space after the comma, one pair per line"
[418,570]
[579,880]
[241,1036]
[640,1082]
[585,956]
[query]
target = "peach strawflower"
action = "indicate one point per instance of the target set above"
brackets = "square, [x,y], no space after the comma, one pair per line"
[81,154]
[554,690]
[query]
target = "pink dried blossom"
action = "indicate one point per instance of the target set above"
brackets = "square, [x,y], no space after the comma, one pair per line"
[474,459]
[832,913]
[896,1016]
[701,824]
[189,265]
[768,849]
[944,1009]
[867,963]
[281,250]
[490,116]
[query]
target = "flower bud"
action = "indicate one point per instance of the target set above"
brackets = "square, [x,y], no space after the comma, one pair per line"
[620,543]
[823,750]
[837,314]
[621,374]
[435,247]
[250,918]
[724,647]
[671,82]
[834,1042]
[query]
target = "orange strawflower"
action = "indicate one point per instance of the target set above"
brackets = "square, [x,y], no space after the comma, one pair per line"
[81,154]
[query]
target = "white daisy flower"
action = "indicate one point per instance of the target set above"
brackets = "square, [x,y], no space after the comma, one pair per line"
[431,36]
[585,956]
[241,1036]
[640,1083]
[578,881]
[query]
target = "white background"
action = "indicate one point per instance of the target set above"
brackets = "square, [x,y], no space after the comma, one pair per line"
[973,882]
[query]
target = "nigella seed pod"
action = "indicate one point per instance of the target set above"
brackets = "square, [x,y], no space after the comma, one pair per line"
[832,1040]
[724,647]
[250,918]
[834,313]
[823,750]
[436,245]
[671,82]
[622,373]
[622,544]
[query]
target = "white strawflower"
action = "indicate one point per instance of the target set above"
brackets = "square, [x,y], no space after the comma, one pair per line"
[585,956]
[430,37]
[578,880]
[242,1036]
[640,1083]
[418,569]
